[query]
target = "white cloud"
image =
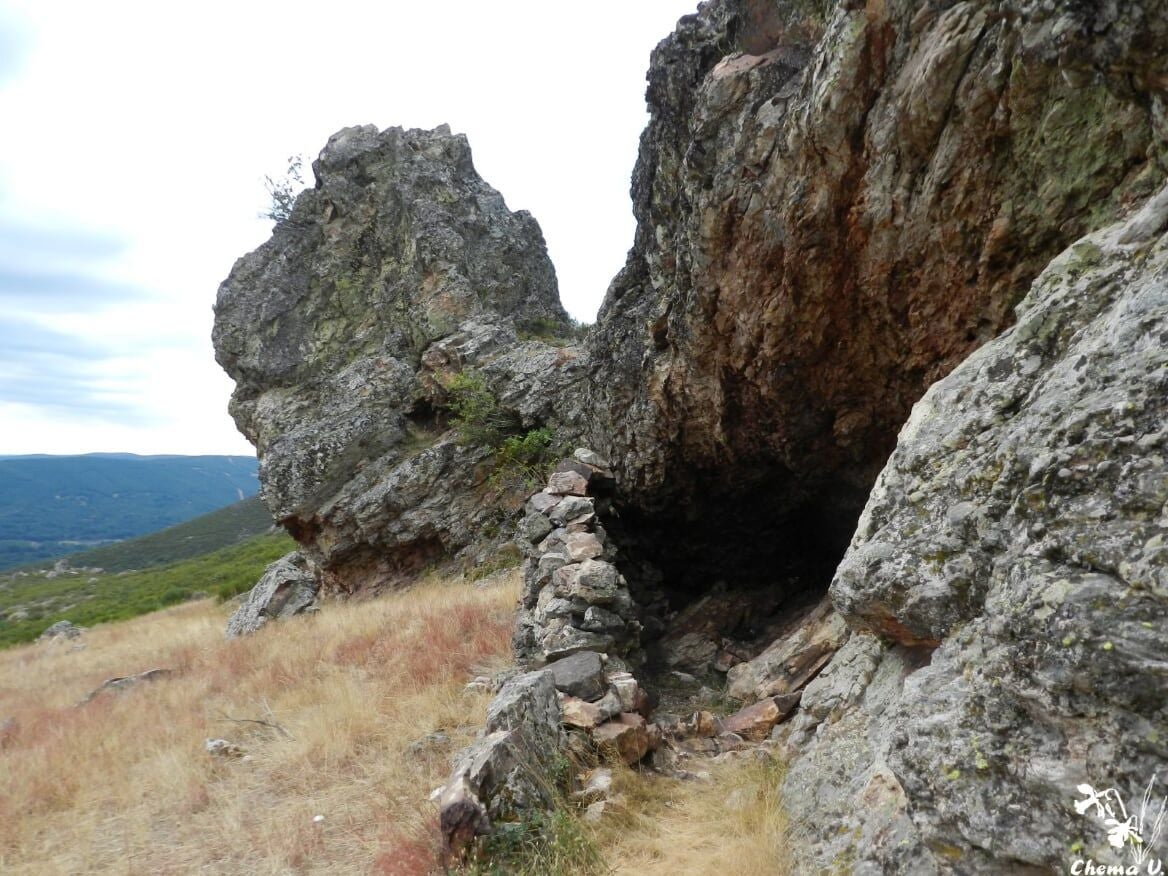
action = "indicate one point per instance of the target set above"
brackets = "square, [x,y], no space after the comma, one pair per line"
[151,125]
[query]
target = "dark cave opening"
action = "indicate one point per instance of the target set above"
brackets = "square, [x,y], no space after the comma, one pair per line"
[723,571]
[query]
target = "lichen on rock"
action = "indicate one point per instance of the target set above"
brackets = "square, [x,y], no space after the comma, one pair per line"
[836,204]
[1021,524]
[287,588]
[844,210]
[397,271]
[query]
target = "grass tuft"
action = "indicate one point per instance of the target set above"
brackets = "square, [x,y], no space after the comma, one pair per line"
[691,828]
[556,844]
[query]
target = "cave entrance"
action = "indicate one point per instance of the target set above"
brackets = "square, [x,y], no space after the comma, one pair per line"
[725,570]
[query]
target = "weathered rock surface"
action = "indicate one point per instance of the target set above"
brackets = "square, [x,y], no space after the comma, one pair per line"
[754,722]
[836,203]
[627,736]
[123,683]
[1021,530]
[398,270]
[596,785]
[507,772]
[287,588]
[581,714]
[790,661]
[580,675]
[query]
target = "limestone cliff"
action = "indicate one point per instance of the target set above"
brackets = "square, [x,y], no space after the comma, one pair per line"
[400,269]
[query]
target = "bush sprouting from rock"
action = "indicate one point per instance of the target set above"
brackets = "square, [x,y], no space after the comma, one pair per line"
[481,421]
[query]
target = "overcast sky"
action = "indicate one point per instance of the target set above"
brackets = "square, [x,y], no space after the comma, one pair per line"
[136,136]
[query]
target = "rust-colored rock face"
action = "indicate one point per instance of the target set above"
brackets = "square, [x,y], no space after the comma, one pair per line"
[835,206]
[838,205]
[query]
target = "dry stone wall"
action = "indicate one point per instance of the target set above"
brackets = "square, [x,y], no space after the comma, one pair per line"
[574,598]
[578,623]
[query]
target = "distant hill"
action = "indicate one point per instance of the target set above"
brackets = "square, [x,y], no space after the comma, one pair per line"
[220,554]
[30,601]
[204,534]
[51,506]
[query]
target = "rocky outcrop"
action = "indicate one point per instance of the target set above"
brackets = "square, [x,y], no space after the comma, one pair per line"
[509,770]
[836,204]
[792,660]
[1012,563]
[398,271]
[287,588]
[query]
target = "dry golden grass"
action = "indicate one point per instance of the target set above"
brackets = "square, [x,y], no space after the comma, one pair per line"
[732,824]
[123,784]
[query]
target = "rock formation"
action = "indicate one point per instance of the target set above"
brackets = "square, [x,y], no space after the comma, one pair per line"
[574,599]
[517,765]
[1011,573]
[838,206]
[507,772]
[61,631]
[287,588]
[836,203]
[398,271]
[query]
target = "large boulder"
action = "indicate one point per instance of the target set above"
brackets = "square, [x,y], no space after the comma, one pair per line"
[287,588]
[400,270]
[1013,561]
[508,773]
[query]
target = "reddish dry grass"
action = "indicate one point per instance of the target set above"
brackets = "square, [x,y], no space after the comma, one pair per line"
[122,784]
[409,852]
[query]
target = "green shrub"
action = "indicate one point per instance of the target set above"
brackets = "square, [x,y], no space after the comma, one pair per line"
[174,596]
[477,415]
[88,599]
[482,421]
[507,557]
[529,455]
[553,331]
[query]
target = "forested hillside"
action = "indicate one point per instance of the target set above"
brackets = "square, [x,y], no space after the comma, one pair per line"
[55,505]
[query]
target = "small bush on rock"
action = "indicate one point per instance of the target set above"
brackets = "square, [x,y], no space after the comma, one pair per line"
[528,455]
[482,421]
[479,418]
[282,191]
